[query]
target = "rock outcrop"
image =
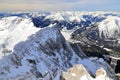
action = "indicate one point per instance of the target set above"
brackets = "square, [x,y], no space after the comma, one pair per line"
[79,72]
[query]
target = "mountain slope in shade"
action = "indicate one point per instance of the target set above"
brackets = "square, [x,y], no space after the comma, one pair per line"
[45,55]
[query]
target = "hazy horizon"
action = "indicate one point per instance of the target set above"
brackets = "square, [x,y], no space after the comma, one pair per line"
[59,5]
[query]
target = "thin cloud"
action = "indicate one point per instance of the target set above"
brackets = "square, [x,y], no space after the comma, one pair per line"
[53,5]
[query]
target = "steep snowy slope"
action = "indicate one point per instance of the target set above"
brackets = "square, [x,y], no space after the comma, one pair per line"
[110,28]
[45,55]
[13,30]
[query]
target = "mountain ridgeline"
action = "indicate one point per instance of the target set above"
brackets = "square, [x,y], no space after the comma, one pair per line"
[60,46]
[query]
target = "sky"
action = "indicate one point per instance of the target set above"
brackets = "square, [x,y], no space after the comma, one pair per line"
[60,5]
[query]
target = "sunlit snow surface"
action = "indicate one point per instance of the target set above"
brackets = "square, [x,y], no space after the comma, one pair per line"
[14,30]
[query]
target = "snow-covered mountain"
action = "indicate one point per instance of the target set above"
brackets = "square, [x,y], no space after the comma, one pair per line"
[45,52]
[43,46]
[110,28]
[13,30]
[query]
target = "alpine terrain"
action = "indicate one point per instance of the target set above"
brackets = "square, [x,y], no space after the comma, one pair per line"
[60,46]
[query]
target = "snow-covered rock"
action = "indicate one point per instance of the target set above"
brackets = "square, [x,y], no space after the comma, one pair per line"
[44,54]
[110,27]
[13,30]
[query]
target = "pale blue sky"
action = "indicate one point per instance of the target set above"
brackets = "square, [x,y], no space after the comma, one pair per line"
[60,5]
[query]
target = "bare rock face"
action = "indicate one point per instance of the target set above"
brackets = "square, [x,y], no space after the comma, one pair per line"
[75,73]
[79,72]
[100,72]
